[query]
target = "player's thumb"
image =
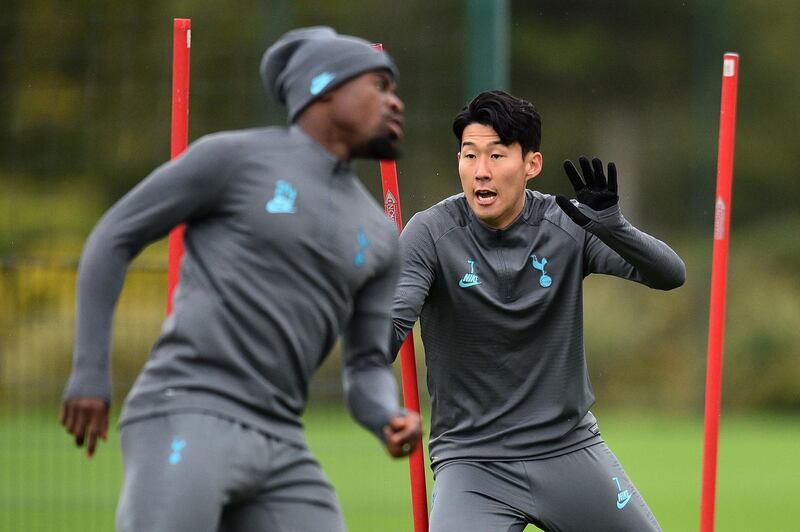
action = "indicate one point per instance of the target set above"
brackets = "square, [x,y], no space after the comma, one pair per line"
[397,423]
[572,211]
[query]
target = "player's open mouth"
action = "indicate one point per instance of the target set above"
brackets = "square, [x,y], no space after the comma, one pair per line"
[485,197]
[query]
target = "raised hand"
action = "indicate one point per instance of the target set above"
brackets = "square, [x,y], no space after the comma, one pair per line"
[592,190]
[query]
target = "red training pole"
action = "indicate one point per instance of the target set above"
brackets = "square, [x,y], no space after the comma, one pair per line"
[719,277]
[181,46]
[408,359]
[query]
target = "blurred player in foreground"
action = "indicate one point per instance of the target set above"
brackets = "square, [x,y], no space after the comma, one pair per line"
[495,275]
[284,250]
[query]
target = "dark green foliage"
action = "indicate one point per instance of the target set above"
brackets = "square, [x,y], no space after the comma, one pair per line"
[85,110]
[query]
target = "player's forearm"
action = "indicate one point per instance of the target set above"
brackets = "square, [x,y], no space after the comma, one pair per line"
[369,384]
[100,277]
[371,395]
[656,264]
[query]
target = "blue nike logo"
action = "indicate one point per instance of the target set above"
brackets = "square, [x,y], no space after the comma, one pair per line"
[623,496]
[623,499]
[471,278]
[320,81]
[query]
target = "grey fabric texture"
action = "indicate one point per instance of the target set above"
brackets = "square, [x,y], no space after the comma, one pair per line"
[501,315]
[284,251]
[306,63]
[179,479]
[574,492]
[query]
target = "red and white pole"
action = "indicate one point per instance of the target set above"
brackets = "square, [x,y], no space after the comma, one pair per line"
[408,364]
[408,359]
[719,277]
[181,46]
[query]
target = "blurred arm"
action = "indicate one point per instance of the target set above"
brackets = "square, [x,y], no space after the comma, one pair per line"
[175,192]
[369,384]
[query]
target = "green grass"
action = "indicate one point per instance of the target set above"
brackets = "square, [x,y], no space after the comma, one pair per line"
[758,476]
[47,485]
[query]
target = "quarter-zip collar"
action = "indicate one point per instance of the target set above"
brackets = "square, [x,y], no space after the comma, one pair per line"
[508,237]
[337,166]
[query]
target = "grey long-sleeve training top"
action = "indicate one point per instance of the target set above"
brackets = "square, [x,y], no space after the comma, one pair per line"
[284,250]
[502,322]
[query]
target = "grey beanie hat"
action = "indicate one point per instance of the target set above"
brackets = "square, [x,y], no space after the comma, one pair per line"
[306,63]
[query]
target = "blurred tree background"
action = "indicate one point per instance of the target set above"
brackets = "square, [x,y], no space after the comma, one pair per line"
[85,109]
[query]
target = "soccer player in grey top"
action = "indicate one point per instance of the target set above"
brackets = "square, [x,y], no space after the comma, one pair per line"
[495,276]
[284,250]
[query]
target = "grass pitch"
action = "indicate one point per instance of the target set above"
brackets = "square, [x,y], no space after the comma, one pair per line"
[47,485]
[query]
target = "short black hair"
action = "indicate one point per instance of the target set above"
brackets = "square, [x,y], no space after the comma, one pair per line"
[514,119]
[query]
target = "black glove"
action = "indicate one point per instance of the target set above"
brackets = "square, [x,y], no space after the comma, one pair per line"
[596,193]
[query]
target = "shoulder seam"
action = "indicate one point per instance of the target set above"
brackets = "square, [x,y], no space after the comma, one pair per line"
[435,242]
[573,237]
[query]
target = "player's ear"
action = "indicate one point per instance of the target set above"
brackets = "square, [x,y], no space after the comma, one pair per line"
[533,164]
[458,156]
